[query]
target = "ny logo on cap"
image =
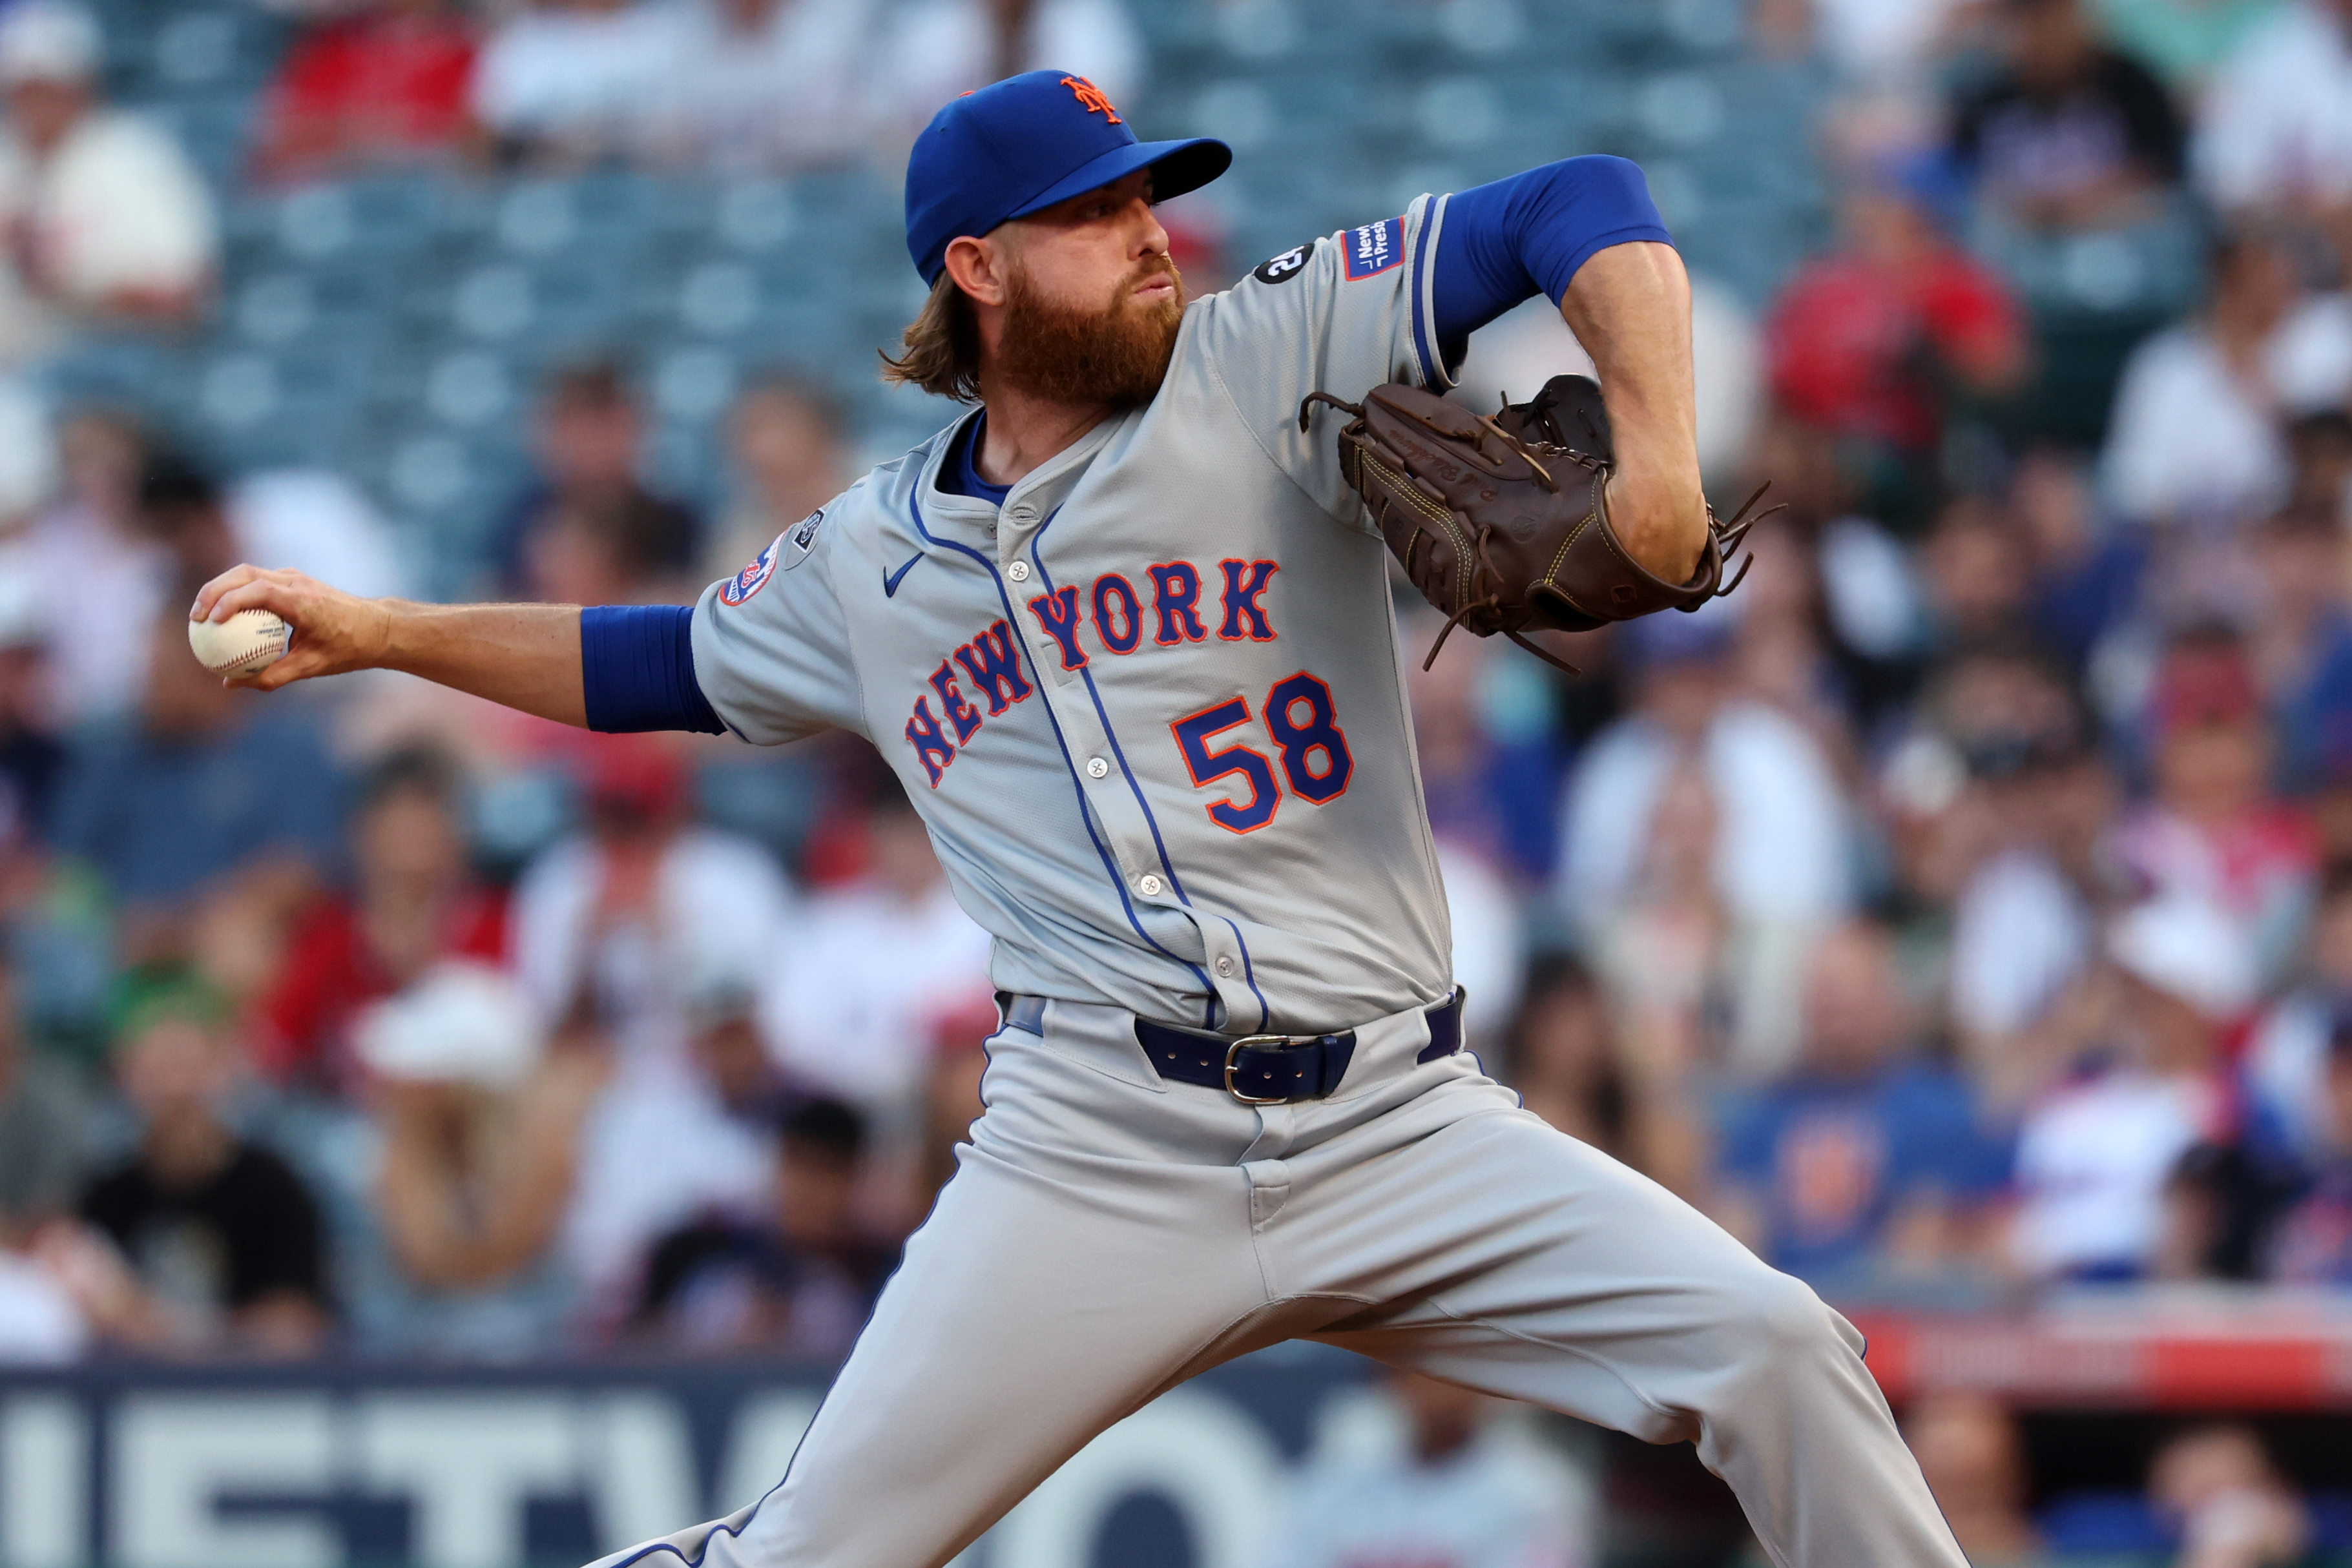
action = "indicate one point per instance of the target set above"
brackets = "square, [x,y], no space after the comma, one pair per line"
[1091,99]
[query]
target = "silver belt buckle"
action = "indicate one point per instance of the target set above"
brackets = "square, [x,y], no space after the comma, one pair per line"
[1282,1041]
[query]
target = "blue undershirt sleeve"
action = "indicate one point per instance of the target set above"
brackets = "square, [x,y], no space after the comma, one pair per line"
[1507,241]
[636,669]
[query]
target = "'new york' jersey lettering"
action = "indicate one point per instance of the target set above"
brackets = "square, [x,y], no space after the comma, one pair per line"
[1209,812]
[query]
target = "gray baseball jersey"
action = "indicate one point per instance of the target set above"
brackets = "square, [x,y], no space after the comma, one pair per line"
[1152,709]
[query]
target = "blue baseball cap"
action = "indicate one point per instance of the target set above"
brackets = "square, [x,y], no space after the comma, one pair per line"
[1018,146]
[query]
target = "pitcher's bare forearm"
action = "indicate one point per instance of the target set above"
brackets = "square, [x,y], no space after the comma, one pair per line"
[1630,306]
[526,656]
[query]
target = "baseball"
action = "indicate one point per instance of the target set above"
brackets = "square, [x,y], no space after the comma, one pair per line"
[247,641]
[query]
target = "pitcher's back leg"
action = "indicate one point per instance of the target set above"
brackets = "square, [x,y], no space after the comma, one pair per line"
[1513,1258]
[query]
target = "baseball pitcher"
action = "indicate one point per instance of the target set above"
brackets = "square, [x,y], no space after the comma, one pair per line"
[1124,631]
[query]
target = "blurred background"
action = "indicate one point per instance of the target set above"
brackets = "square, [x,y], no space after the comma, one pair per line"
[430,1137]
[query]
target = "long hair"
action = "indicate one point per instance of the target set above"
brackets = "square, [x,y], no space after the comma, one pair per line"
[942,347]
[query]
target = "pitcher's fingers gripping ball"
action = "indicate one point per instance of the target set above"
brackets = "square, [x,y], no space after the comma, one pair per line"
[247,642]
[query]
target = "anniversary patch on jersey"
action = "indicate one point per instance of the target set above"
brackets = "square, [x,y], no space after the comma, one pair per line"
[1374,248]
[753,578]
[790,547]
[1289,264]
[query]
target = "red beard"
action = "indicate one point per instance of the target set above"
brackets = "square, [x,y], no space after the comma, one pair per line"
[1117,355]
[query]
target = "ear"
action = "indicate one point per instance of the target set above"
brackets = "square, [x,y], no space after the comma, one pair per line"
[980,267]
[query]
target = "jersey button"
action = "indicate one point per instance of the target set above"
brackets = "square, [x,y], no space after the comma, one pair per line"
[1018,571]
[1150,886]
[1097,768]
[1226,968]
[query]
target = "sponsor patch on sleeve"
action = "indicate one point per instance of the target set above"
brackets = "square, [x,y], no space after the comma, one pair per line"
[1374,248]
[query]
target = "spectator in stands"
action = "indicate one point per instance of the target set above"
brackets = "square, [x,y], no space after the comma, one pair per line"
[181,506]
[90,549]
[41,1324]
[1490,759]
[1868,342]
[2044,801]
[1560,1053]
[1448,1485]
[625,923]
[564,83]
[617,547]
[413,902]
[2321,444]
[28,452]
[32,756]
[42,1129]
[2305,626]
[2216,1487]
[2088,572]
[800,1280]
[223,1240]
[2096,1155]
[1967,1449]
[2196,429]
[1977,569]
[481,1123]
[2213,830]
[2275,134]
[1699,828]
[315,520]
[382,84]
[1469,779]
[938,48]
[719,108]
[208,798]
[2313,1243]
[785,437]
[2286,1060]
[586,522]
[1874,42]
[877,962]
[2067,134]
[952,1102]
[308,519]
[617,930]
[1866,1164]
[730,1051]
[2183,41]
[108,223]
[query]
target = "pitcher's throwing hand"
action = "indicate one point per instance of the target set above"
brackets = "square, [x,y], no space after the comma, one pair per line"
[332,630]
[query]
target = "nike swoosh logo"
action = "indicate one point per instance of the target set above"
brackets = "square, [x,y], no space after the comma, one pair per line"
[891,579]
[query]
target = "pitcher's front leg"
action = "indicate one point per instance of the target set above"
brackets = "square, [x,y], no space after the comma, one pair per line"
[1031,1312]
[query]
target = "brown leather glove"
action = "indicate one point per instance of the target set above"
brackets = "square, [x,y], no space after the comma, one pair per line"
[1502,520]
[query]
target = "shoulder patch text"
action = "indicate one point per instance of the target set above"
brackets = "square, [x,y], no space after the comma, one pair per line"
[1374,248]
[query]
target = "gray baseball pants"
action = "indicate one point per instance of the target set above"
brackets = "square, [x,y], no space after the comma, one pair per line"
[1110,1235]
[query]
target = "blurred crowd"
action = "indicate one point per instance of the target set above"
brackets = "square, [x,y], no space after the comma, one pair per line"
[1959,913]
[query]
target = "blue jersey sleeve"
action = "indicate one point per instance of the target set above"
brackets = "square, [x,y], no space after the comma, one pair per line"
[636,669]
[1511,240]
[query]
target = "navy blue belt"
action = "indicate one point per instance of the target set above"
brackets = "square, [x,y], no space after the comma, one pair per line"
[1255,1068]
